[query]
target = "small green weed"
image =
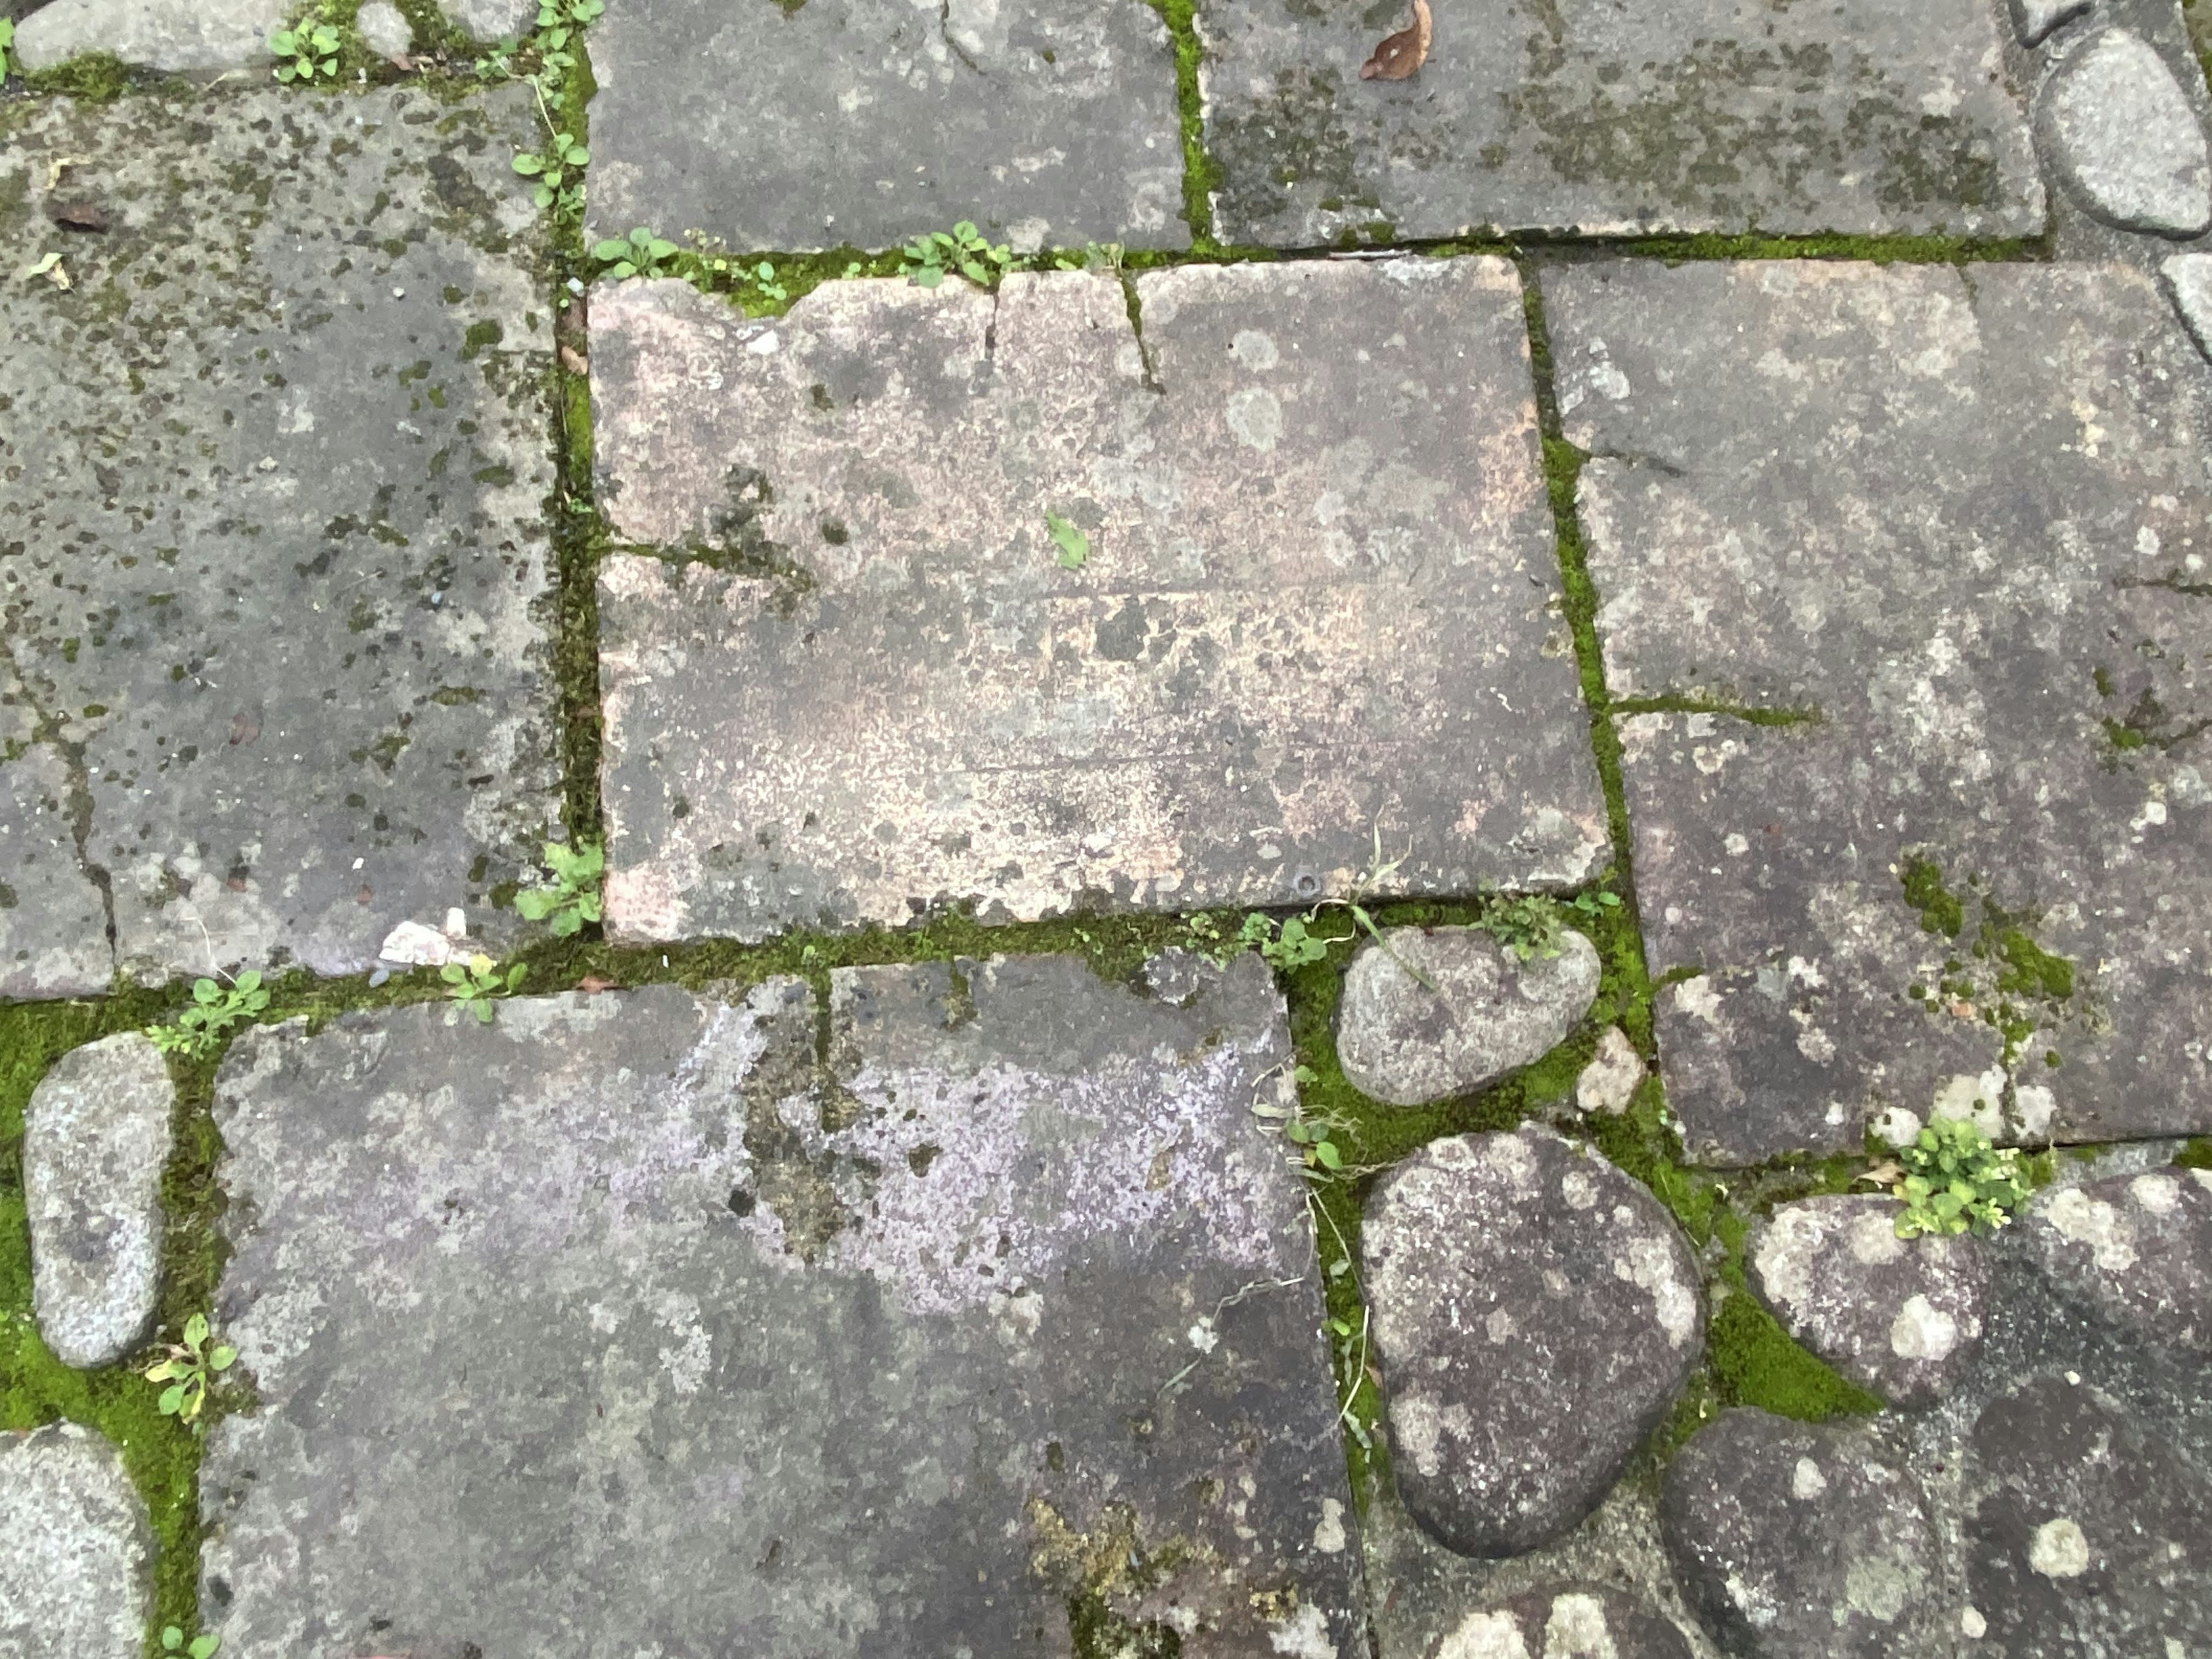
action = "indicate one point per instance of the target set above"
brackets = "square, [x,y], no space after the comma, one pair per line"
[305,51]
[557,173]
[572,898]
[7,44]
[962,249]
[188,1369]
[1291,944]
[201,1646]
[1534,925]
[1955,1181]
[476,983]
[200,1030]
[640,253]
[1074,545]
[1312,1136]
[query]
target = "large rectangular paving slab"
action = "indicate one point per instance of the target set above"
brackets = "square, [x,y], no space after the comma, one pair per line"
[865,121]
[1601,117]
[651,1323]
[1320,598]
[273,566]
[1962,515]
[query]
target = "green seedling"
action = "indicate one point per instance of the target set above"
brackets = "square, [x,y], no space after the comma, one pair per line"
[305,51]
[1074,545]
[1955,1181]
[962,249]
[201,1646]
[475,984]
[556,173]
[640,253]
[199,1031]
[572,897]
[7,44]
[1534,925]
[186,1371]
[1293,944]
[1313,1138]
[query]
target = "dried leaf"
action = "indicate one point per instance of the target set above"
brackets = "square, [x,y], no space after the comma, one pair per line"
[592,984]
[244,726]
[1886,1174]
[1401,53]
[574,361]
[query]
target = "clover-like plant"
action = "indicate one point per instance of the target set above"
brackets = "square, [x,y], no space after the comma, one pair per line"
[556,173]
[963,249]
[572,897]
[199,1031]
[1956,1182]
[640,253]
[201,1646]
[305,51]
[475,984]
[187,1370]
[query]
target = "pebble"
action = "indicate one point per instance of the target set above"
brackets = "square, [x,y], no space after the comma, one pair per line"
[1609,1083]
[2127,139]
[385,28]
[75,1554]
[2135,1248]
[2188,280]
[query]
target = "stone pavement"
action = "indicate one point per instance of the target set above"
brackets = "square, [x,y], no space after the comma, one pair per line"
[1668,601]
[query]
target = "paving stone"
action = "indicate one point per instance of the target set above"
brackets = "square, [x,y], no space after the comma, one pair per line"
[1609,1083]
[1581,1622]
[1535,1313]
[1901,1318]
[2188,279]
[2135,1248]
[96,1140]
[2126,137]
[2086,1536]
[2031,19]
[76,1556]
[1052,123]
[162,34]
[1965,523]
[1794,1541]
[53,916]
[1481,1014]
[1318,605]
[1724,115]
[280,572]
[1005,1303]
[385,28]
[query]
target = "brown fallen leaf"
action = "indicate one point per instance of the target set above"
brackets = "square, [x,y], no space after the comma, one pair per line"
[1887,1173]
[574,360]
[592,984]
[1401,53]
[244,726]
[77,216]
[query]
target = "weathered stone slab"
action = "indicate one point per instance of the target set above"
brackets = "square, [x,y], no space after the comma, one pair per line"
[1535,1313]
[279,556]
[1964,521]
[2135,1248]
[162,34]
[1565,1624]
[1724,115]
[1052,123]
[76,1556]
[2126,137]
[643,1316]
[1900,1317]
[1318,600]
[53,916]
[96,1140]
[1427,1014]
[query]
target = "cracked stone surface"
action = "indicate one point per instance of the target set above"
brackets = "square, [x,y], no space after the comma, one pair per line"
[75,1554]
[278,575]
[1720,115]
[863,123]
[179,35]
[890,1337]
[1963,523]
[1536,1311]
[1481,1014]
[2126,138]
[95,1140]
[1796,1541]
[2135,1248]
[1319,602]
[1900,1317]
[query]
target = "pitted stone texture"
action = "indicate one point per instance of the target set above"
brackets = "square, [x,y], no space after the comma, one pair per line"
[76,1556]
[54,918]
[862,123]
[1722,115]
[2135,1248]
[2031,19]
[1536,1311]
[1900,1317]
[1481,1014]
[1609,1082]
[161,34]
[631,1318]
[2085,1537]
[2126,137]
[2188,279]
[96,1140]
[280,568]
[1966,523]
[1582,1622]
[1799,1542]
[386,29]
[1321,596]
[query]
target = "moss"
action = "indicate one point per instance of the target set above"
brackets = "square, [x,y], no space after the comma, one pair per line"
[2031,970]
[1941,910]
[92,77]
[1876,250]
[1200,179]
[2196,1155]
[1753,1362]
